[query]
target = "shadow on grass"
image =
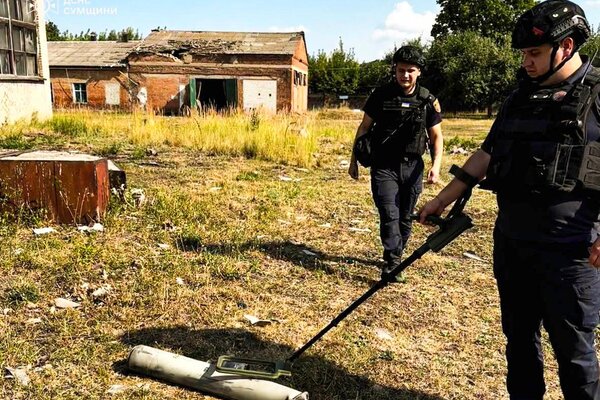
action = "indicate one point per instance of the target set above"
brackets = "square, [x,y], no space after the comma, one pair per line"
[321,378]
[299,254]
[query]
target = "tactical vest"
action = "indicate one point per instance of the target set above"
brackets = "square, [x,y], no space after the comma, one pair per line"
[541,142]
[404,119]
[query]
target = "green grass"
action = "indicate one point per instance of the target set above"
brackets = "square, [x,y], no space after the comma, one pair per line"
[237,237]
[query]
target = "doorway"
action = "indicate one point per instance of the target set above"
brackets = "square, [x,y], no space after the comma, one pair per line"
[219,94]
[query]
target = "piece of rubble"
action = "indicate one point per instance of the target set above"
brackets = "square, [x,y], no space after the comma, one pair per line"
[64,303]
[18,374]
[116,389]
[101,292]
[473,256]
[359,230]
[257,321]
[383,334]
[138,196]
[97,227]
[43,231]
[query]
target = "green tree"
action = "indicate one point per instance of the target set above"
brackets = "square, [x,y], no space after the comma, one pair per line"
[336,73]
[490,18]
[373,74]
[470,71]
[592,46]
[112,35]
[52,32]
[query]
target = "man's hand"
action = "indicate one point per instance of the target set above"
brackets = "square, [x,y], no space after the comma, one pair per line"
[433,176]
[432,207]
[595,254]
[353,169]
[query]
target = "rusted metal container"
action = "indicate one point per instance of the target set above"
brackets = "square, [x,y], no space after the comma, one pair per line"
[71,187]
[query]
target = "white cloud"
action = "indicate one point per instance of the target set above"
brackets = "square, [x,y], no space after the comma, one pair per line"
[403,23]
[297,28]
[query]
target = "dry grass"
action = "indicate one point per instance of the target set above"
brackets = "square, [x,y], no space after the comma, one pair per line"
[237,234]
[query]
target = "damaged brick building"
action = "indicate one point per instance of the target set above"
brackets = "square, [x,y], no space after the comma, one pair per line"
[172,72]
[91,74]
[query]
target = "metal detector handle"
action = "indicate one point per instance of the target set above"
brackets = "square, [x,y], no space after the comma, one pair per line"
[456,222]
[452,228]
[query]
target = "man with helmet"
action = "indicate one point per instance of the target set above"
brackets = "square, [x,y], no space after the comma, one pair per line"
[405,119]
[542,159]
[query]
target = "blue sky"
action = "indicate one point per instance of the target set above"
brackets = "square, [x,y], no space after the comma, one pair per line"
[370,28]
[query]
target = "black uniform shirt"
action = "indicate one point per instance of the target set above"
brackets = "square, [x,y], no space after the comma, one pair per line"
[557,218]
[390,154]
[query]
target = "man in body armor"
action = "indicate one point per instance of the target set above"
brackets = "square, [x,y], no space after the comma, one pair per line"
[542,159]
[405,119]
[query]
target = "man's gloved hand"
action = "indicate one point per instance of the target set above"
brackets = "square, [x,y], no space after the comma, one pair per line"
[353,169]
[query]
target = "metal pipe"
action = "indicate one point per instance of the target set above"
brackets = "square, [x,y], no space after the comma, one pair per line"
[203,377]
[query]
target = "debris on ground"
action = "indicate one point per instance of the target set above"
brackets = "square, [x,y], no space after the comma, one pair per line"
[473,256]
[65,303]
[359,230]
[383,334]
[138,196]
[116,389]
[257,321]
[97,227]
[18,374]
[43,231]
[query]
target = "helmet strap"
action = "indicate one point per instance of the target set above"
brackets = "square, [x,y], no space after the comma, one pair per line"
[552,70]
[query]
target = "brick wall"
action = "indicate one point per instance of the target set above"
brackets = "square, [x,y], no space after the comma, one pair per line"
[96,81]
[164,94]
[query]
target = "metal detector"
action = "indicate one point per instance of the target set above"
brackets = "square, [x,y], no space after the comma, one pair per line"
[450,227]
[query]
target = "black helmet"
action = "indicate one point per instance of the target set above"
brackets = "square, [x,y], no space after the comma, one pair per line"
[410,55]
[550,22]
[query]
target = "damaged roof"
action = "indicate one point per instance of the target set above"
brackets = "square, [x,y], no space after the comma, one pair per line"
[206,42]
[89,53]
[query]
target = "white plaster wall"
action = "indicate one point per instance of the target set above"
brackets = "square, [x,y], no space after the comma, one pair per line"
[260,94]
[23,100]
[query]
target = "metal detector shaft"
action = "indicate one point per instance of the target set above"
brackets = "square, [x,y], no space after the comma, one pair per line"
[450,229]
[418,253]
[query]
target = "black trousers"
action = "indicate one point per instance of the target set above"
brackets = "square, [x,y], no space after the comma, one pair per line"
[395,192]
[553,285]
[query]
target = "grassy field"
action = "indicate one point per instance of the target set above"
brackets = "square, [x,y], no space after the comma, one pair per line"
[244,214]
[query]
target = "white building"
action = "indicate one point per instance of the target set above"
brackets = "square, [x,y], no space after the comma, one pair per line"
[24,71]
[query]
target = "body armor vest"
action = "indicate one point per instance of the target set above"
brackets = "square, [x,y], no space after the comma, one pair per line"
[541,143]
[405,121]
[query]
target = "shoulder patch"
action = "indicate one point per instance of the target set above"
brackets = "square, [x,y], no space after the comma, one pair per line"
[436,105]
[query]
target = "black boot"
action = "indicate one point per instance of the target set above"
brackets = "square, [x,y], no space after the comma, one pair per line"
[388,268]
